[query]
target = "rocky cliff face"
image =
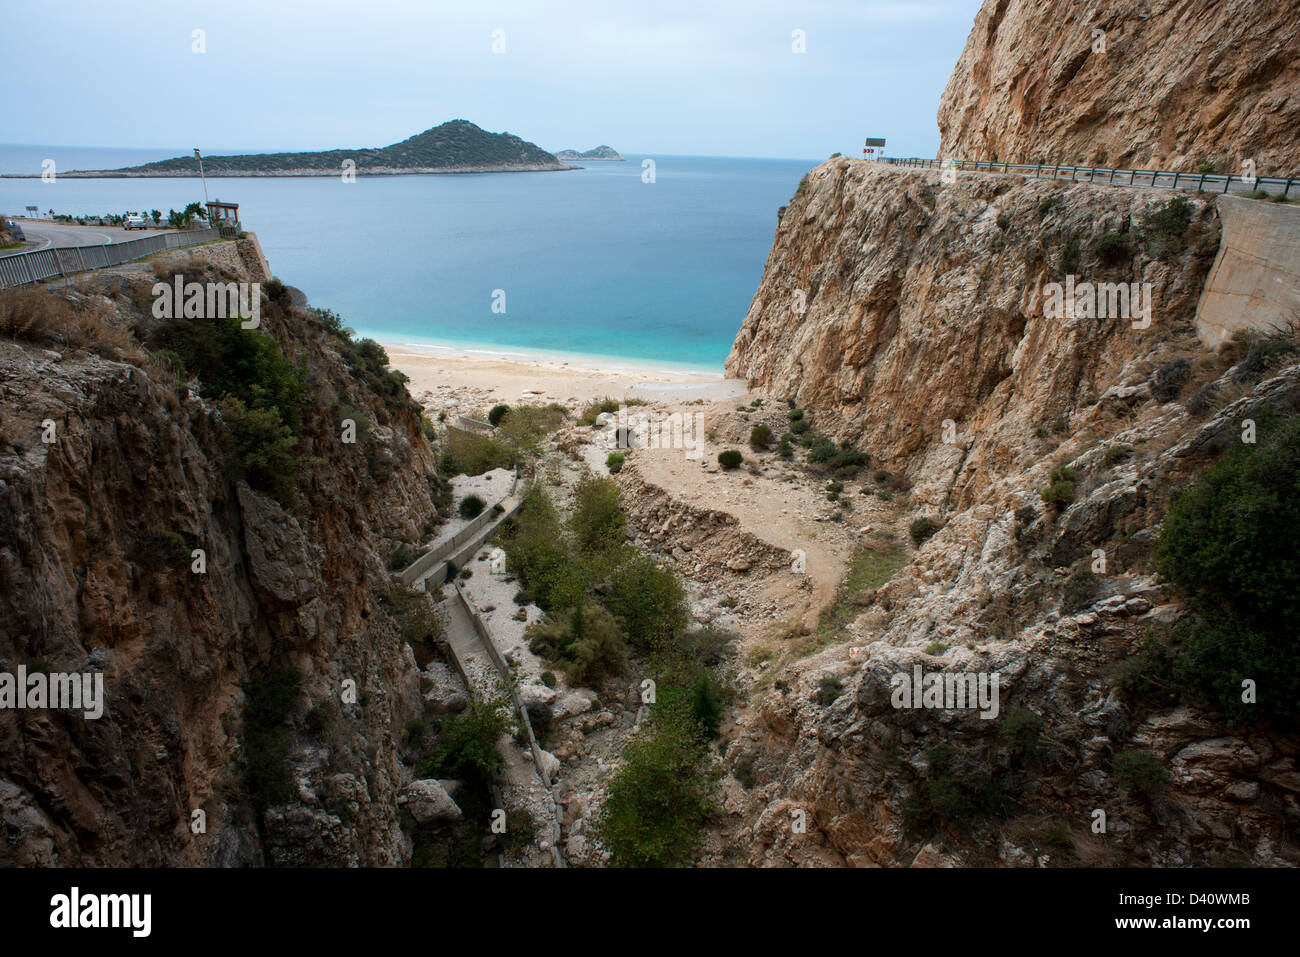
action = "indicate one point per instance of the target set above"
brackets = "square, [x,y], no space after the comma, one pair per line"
[1122,83]
[913,318]
[98,529]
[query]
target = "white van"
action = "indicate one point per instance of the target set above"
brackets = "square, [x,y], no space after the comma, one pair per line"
[135,222]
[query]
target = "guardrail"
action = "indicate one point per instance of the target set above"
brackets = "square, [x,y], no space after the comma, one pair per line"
[37,265]
[1172,180]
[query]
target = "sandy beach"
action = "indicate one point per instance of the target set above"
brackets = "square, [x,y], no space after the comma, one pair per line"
[476,377]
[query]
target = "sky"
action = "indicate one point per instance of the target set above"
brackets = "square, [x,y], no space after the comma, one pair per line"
[701,77]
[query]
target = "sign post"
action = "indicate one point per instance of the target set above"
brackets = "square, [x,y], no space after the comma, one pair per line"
[871,145]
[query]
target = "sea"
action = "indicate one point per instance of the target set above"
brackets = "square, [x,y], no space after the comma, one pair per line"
[653,260]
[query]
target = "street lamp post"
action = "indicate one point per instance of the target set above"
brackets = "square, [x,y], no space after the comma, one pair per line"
[199,157]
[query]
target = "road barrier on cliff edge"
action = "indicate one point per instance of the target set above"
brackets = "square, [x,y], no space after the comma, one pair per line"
[36,265]
[1158,179]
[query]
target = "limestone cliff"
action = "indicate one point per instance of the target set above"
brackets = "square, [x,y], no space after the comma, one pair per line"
[98,529]
[913,317]
[1150,83]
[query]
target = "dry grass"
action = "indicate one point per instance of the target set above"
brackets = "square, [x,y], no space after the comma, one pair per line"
[40,316]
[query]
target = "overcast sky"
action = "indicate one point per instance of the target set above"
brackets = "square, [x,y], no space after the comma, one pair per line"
[705,77]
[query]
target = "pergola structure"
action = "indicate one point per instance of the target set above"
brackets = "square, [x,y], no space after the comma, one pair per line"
[224,216]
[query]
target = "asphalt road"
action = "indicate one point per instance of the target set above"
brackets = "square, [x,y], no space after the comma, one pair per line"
[41,235]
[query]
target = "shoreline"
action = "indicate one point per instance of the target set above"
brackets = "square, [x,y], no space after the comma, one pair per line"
[472,374]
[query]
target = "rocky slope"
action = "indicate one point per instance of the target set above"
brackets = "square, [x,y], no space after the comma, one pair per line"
[97,532]
[1178,82]
[907,316]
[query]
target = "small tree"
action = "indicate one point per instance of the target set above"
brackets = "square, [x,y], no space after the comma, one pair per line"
[498,413]
[760,437]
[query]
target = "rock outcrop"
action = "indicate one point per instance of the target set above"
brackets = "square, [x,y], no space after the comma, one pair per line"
[1154,84]
[126,548]
[917,316]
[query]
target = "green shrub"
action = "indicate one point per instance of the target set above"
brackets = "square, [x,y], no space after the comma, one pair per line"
[261,447]
[823,450]
[593,409]
[586,641]
[1231,541]
[1114,249]
[658,801]
[471,506]
[648,599]
[467,744]
[760,437]
[1080,590]
[498,413]
[269,700]
[1138,770]
[785,449]
[1167,381]
[548,678]
[954,791]
[1022,730]
[1116,454]
[1060,487]
[1165,227]
[597,522]
[1261,357]
[795,414]
[706,705]
[244,364]
[614,462]
[417,622]
[537,548]
[921,529]
[1070,256]
[730,459]
[828,689]
[800,425]
[465,453]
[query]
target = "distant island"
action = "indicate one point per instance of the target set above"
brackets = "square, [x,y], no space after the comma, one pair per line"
[457,146]
[599,153]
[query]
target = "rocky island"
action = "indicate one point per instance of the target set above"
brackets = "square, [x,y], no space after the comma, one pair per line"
[457,146]
[599,153]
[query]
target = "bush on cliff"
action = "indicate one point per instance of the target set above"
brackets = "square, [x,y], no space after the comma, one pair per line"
[1231,540]
[269,700]
[261,447]
[467,744]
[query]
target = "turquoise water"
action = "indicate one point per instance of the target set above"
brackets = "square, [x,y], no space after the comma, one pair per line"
[593,262]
